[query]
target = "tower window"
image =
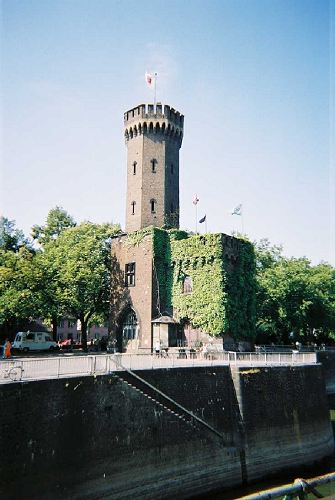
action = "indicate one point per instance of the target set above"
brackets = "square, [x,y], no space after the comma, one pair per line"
[153,206]
[171,167]
[130,274]
[153,165]
[133,203]
[134,167]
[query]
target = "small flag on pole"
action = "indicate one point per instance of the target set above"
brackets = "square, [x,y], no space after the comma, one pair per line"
[150,80]
[195,199]
[237,210]
[202,220]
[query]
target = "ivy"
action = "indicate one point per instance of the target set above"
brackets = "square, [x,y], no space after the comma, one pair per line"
[200,257]
[135,239]
[223,296]
[241,294]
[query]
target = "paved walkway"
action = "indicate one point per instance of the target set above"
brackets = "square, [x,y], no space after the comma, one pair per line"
[40,368]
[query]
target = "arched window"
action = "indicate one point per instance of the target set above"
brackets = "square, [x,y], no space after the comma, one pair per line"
[134,167]
[129,326]
[171,168]
[188,285]
[153,206]
[133,203]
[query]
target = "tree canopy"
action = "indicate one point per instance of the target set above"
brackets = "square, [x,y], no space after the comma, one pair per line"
[79,266]
[295,300]
[57,221]
[11,239]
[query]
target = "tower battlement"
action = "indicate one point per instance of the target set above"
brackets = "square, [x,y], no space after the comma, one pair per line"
[150,118]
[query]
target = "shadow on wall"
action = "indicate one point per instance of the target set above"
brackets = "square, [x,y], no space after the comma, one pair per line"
[120,304]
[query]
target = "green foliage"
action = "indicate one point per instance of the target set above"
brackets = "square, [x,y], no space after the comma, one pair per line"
[294,296]
[19,285]
[80,261]
[223,293]
[135,239]
[200,258]
[57,221]
[69,277]
[11,239]
[17,278]
[162,266]
[241,293]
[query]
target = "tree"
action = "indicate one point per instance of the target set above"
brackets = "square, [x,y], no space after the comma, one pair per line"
[19,288]
[11,239]
[57,221]
[80,262]
[16,277]
[293,296]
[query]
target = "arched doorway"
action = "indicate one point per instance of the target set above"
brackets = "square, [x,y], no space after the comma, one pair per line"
[128,333]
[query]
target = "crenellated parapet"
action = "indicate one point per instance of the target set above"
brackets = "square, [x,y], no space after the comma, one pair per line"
[154,119]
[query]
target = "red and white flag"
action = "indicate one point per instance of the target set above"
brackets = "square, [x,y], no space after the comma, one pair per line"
[150,79]
[195,199]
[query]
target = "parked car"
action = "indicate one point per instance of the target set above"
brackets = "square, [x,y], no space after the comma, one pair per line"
[33,341]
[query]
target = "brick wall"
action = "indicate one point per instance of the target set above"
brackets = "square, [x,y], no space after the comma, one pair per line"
[285,415]
[139,297]
[97,436]
[89,437]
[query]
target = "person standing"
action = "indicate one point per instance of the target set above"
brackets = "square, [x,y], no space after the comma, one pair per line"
[157,347]
[6,349]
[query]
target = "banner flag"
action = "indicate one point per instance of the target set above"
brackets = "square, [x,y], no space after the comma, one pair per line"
[237,210]
[195,199]
[150,80]
[202,220]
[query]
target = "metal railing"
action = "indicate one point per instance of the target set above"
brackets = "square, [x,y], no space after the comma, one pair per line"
[299,489]
[292,347]
[25,369]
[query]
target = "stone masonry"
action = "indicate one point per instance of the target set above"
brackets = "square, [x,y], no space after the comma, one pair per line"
[153,137]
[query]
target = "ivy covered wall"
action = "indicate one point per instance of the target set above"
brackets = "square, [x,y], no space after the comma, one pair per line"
[222,272]
[200,258]
[241,292]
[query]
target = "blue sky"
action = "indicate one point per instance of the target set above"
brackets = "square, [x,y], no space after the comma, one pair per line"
[254,79]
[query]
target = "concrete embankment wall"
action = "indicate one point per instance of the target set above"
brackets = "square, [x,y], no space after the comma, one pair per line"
[94,437]
[285,417]
[327,359]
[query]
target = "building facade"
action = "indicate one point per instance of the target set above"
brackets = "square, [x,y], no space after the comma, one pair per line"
[169,286]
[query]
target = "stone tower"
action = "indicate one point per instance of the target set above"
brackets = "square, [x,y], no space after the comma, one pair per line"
[153,137]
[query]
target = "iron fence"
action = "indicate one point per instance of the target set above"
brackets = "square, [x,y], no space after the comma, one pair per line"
[26,369]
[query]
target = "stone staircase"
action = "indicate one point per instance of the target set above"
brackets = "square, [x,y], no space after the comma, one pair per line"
[169,405]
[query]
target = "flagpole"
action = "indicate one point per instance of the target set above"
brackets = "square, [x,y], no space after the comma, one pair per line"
[206,225]
[155,90]
[196,218]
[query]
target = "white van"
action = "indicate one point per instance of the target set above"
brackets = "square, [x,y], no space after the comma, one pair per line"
[33,341]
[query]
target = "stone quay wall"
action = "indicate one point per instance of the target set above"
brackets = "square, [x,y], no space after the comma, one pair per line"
[327,359]
[100,437]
